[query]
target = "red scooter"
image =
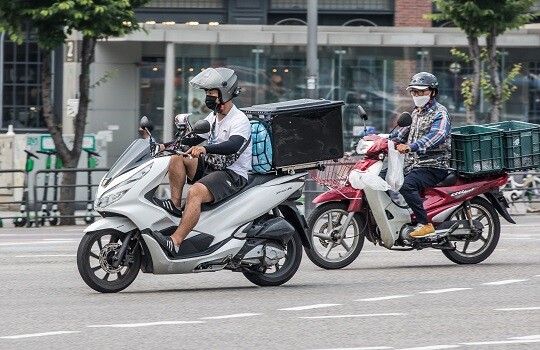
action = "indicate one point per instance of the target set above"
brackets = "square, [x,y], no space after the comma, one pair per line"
[464,211]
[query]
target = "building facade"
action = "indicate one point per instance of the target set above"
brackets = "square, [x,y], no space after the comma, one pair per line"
[367,52]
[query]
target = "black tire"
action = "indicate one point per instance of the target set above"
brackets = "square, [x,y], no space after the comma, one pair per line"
[93,260]
[284,270]
[317,225]
[483,245]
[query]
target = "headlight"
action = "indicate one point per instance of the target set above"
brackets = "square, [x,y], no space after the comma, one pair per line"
[363,146]
[107,200]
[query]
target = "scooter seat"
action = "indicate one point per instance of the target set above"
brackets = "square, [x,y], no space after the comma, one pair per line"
[449,180]
[253,180]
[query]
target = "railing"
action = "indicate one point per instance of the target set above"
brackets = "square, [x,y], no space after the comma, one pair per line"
[44,208]
[22,204]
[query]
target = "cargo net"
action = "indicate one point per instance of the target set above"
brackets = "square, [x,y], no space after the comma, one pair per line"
[334,173]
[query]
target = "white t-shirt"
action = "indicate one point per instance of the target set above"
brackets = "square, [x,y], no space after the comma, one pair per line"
[234,123]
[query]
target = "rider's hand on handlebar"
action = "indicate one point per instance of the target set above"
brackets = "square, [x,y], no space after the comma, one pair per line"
[403,148]
[161,147]
[196,151]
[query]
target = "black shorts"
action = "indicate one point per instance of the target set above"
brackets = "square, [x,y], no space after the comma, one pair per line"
[221,183]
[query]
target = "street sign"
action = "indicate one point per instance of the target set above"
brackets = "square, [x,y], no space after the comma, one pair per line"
[47,144]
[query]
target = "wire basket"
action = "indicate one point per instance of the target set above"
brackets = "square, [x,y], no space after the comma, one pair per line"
[334,173]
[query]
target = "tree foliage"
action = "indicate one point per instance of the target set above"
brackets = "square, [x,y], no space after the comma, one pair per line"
[489,19]
[53,21]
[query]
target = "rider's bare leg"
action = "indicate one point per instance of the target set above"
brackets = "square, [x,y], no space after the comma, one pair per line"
[179,168]
[197,194]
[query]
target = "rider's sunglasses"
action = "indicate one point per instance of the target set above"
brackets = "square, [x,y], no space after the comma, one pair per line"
[419,92]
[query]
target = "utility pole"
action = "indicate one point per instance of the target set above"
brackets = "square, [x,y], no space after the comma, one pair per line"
[310,189]
[311,50]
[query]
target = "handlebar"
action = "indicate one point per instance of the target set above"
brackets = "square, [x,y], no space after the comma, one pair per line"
[30,154]
[49,152]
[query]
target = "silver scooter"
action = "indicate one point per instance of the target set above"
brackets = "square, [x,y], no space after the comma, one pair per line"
[258,231]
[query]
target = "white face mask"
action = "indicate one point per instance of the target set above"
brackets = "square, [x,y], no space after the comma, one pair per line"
[420,101]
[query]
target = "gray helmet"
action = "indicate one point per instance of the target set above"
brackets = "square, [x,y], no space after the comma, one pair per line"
[222,79]
[424,80]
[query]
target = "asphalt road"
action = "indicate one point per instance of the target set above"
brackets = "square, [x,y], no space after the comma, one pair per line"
[384,300]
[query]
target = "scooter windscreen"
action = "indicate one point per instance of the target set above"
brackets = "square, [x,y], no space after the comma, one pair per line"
[136,154]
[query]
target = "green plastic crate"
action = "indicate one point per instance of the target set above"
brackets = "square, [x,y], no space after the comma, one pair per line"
[521,144]
[477,150]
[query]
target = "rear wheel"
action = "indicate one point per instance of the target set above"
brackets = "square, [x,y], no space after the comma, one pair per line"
[95,261]
[328,249]
[478,246]
[284,270]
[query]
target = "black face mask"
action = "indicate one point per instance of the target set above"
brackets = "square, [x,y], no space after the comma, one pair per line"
[210,102]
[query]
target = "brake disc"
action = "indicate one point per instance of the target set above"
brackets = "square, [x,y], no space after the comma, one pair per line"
[105,257]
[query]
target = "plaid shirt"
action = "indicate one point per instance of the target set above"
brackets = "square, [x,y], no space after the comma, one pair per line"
[428,137]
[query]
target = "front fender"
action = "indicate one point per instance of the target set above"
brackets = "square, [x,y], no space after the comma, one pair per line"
[344,193]
[118,223]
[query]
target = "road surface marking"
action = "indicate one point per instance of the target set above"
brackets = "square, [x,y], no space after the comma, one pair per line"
[365,348]
[432,347]
[59,239]
[46,256]
[385,298]
[37,334]
[133,325]
[307,307]
[504,342]
[228,316]
[443,290]
[519,308]
[528,337]
[497,283]
[33,243]
[348,316]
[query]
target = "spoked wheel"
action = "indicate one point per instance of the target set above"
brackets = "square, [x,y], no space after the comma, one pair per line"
[95,261]
[284,270]
[478,246]
[328,249]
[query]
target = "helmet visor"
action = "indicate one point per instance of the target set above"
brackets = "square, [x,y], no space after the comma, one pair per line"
[416,87]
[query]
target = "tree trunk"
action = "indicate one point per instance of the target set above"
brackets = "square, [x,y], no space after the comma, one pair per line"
[496,107]
[474,54]
[70,158]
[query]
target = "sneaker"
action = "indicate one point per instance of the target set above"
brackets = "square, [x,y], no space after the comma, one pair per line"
[422,230]
[166,242]
[169,206]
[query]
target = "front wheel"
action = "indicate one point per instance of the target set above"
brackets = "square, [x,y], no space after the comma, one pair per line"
[95,258]
[284,270]
[478,246]
[329,249]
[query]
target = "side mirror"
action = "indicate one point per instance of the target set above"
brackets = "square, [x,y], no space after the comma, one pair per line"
[182,121]
[362,113]
[201,127]
[404,119]
[145,123]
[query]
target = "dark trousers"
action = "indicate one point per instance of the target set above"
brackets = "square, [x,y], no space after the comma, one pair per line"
[416,181]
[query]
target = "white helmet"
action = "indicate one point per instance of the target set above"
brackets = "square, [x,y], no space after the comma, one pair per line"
[222,79]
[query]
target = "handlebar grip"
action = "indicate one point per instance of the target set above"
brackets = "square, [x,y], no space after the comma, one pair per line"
[31,154]
[91,152]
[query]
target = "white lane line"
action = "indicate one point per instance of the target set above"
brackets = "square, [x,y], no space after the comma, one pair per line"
[59,239]
[519,308]
[527,337]
[364,348]
[349,316]
[443,290]
[229,316]
[33,243]
[504,342]
[433,347]
[133,325]
[498,283]
[46,256]
[385,298]
[307,307]
[37,334]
